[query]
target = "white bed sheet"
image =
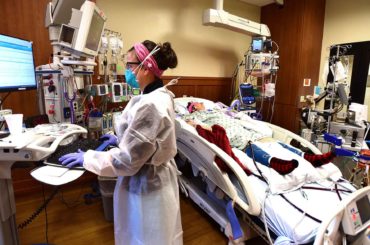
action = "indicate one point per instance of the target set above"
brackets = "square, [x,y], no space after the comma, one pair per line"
[282,218]
[285,220]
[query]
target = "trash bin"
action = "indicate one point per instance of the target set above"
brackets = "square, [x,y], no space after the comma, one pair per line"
[106,186]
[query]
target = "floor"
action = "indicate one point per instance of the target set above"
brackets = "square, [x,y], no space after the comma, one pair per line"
[71,221]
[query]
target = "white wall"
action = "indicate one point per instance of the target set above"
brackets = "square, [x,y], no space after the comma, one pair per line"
[345,22]
[202,50]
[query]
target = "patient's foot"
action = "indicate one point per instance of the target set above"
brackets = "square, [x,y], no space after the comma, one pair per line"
[319,160]
[283,166]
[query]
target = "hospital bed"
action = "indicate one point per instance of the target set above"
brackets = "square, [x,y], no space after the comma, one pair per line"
[331,211]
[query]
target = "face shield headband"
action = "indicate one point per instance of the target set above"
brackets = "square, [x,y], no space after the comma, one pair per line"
[146,58]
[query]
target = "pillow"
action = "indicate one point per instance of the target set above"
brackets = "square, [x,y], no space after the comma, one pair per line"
[304,173]
[183,103]
[180,109]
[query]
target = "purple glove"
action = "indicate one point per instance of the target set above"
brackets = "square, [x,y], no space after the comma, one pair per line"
[71,160]
[110,138]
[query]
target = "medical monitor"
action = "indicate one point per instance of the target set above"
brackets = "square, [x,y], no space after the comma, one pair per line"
[356,216]
[82,35]
[257,44]
[61,10]
[17,68]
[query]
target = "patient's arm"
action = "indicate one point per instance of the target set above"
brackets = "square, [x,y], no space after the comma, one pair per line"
[195,124]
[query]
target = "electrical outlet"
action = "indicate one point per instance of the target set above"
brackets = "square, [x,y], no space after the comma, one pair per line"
[302,99]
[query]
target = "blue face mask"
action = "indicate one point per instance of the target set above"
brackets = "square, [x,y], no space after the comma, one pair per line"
[131,79]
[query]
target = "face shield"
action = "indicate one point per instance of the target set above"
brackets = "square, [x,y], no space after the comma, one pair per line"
[148,62]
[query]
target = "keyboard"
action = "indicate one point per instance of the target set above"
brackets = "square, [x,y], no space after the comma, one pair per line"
[82,144]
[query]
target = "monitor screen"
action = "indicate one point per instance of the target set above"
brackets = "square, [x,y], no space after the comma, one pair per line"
[257,44]
[61,10]
[363,206]
[117,89]
[17,69]
[81,37]
[95,32]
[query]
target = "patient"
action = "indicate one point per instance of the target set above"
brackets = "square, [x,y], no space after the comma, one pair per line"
[226,132]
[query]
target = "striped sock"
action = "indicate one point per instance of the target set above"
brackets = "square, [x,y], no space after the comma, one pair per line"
[283,166]
[319,160]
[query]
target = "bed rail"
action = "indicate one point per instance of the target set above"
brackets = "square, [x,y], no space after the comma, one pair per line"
[286,136]
[327,232]
[203,153]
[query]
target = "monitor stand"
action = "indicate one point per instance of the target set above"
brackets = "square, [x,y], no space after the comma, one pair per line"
[33,145]
[8,226]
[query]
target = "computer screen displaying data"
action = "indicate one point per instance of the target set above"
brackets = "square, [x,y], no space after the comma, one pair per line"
[17,69]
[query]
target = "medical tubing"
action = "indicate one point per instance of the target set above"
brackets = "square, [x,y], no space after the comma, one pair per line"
[254,161]
[233,78]
[323,189]
[336,190]
[273,103]
[46,218]
[300,210]
[339,181]
[367,130]
[264,218]
[267,192]
[264,179]
[277,46]
[38,210]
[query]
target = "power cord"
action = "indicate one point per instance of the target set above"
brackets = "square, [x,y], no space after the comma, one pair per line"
[74,203]
[46,217]
[28,221]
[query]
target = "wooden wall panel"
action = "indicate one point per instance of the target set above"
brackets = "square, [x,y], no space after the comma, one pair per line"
[25,19]
[212,88]
[285,28]
[297,27]
[312,34]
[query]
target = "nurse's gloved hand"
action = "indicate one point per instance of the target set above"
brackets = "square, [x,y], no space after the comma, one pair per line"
[71,160]
[110,138]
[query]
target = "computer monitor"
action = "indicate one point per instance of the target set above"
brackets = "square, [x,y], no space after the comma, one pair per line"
[82,35]
[17,68]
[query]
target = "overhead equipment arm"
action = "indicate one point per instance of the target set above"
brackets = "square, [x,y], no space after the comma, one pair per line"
[220,18]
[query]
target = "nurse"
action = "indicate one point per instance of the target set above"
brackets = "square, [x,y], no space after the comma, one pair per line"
[146,196]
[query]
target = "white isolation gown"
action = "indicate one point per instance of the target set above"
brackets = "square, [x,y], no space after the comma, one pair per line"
[146,196]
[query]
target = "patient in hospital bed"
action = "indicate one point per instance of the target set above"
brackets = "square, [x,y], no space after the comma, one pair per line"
[302,185]
[227,131]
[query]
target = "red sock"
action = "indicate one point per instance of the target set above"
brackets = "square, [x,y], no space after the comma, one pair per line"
[283,166]
[318,160]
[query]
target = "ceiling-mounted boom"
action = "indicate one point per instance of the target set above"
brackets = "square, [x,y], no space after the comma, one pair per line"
[220,18]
